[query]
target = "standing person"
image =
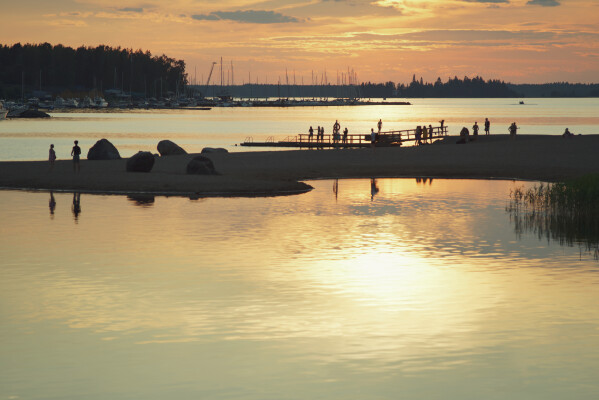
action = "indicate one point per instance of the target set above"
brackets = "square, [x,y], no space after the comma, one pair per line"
[424,133]
[475,130]
[317,133]
[76,152]
[322,134]
[380,125]
[418,135]
[372,138]
[430,132]
[51,156]
[345,132]
[442,122]
[487,126]
[513,129]
[310,133]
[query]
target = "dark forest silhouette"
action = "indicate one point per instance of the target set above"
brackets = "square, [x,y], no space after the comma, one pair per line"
[58,68]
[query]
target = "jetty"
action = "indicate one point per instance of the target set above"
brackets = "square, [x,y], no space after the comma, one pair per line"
[383,139]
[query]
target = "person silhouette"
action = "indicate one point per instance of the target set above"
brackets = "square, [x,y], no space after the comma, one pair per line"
[310,133]
[487,126]
[513,130]
[76,152]
[51,156]
[372,138]
[380,125]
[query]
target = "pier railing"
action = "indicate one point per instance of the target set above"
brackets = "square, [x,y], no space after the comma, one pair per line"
[385,138]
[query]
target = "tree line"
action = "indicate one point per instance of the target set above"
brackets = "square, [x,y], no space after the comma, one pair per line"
[53,69]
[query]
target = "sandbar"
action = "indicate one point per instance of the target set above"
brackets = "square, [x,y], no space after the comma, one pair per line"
[255,173]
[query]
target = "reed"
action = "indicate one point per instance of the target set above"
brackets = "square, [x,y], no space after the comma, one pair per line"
[567,212]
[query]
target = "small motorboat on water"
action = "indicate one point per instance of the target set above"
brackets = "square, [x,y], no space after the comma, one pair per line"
[521,102]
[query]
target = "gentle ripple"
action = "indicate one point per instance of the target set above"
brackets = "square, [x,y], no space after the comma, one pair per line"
[422,290]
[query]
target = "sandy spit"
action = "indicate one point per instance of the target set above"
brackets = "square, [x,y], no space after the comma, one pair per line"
[546,158]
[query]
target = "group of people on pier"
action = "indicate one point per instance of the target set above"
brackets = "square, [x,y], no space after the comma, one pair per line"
[337,137]
[423,134]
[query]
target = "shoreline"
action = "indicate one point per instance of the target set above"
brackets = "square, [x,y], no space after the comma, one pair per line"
[273,173]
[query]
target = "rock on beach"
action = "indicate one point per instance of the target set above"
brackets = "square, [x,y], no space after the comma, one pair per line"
[169,148]
[201,165]
[103,150]
[143,161]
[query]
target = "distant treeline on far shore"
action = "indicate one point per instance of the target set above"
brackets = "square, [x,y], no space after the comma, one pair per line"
[46,70]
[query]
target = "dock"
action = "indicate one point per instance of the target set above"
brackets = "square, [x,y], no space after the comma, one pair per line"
[383,139]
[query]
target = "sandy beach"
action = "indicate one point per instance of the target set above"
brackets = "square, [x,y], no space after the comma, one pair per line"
[534,157]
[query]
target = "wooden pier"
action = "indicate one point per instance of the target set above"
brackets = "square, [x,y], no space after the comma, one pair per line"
[383,139]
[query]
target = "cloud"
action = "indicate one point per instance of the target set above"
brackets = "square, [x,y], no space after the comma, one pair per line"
[487,1]
[249,16]
[131,9]
[544,3]
[62,23]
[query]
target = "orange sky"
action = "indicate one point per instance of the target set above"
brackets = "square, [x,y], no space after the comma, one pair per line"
[519,41]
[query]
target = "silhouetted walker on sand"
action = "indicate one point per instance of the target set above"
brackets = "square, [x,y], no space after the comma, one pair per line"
[487,126]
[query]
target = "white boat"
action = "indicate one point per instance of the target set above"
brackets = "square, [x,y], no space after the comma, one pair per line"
[99,102]
[71,103]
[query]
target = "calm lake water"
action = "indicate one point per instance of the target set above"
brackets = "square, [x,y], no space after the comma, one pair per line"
[359,289]
[225,127]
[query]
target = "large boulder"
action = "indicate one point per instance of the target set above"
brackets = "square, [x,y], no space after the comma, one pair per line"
[143,161]
[200,165]
[208,150]
[103,150]
[168,148]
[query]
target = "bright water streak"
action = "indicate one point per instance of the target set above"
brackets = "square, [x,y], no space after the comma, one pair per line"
[419,291]
[225,127]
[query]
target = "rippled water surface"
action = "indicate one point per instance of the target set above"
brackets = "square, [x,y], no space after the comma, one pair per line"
[131,131]
[357,290]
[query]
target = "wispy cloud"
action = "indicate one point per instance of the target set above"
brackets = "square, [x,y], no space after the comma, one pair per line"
[487,1]
[131,9]
[544,3]
[248,16]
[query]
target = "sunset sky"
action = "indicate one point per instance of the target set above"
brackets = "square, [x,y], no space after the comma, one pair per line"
[520,41]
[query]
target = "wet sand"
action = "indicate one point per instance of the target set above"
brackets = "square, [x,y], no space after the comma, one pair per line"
[538,157]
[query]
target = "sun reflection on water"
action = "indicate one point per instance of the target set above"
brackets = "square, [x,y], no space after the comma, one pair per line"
[423,280]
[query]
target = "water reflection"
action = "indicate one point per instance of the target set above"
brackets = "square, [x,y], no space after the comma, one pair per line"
[142,200]
[374,189]
[425,293]
[52,204]
[424,180]
[566,227]
[76,208]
